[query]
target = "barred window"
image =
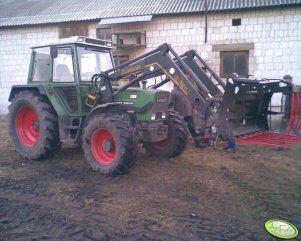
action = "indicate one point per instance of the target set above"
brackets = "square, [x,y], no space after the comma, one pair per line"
[235,62]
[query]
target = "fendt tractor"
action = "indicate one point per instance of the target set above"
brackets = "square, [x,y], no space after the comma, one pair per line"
[75,95]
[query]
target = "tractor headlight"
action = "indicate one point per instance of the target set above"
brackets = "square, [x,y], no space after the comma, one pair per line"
[158,116]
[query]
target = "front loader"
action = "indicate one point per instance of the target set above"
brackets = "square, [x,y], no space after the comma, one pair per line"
[236,107]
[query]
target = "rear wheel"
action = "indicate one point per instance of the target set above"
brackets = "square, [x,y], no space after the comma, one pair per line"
[33,125]
[110,144]
[176,141]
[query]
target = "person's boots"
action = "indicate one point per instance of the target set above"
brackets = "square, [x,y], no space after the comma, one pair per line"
[231,146]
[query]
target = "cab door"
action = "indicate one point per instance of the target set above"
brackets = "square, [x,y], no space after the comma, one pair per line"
[91,60]
[64,78]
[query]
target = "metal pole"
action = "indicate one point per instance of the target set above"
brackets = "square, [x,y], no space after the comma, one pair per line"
[206,21]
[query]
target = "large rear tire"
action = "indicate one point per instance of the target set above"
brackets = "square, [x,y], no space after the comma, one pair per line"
[176,141]
[110,144]
[33,125]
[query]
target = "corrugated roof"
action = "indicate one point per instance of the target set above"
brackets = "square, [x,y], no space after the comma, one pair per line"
[30,12]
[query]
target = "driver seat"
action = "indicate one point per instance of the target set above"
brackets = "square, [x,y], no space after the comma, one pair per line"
[63,74]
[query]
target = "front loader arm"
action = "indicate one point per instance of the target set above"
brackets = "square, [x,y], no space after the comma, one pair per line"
[214,83]
[164,61]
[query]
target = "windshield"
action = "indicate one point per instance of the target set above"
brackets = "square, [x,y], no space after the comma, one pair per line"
[93,61]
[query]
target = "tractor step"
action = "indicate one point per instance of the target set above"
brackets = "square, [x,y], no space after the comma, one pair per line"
[71,127]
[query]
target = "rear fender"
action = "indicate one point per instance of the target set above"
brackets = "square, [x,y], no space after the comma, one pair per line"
[17,88]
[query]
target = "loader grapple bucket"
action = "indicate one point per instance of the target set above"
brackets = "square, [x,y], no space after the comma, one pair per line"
[246,104]
[291,134]
[242,104]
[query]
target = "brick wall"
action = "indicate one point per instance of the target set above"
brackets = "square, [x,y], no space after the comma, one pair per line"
[15,56]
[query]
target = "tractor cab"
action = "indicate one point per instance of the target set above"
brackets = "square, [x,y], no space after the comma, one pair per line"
[71,74]
[66,67]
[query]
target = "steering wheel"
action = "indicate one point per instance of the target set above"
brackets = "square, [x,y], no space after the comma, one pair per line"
[86,76]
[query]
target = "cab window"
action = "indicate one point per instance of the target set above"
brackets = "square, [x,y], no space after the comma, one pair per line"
[41,64]
[63,66]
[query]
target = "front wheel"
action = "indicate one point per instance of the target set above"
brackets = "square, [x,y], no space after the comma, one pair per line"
[176,141]
[110,144]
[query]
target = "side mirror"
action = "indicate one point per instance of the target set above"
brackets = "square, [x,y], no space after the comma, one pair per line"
[53,52]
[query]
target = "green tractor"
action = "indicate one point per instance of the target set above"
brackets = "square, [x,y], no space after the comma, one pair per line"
[61,104]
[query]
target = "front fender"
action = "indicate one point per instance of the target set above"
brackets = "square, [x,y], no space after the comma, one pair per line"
[104,108]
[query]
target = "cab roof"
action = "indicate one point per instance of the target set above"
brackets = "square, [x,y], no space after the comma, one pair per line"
[77,40]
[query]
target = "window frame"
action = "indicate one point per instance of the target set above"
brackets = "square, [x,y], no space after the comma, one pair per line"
[33,67]
[234,53]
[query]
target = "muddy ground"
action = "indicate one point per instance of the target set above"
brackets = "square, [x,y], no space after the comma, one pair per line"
[205,194]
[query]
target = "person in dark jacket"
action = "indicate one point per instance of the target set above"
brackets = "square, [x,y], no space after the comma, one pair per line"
[287,101]
[185,108]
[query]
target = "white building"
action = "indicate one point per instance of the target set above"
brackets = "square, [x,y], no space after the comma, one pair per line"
[249,37]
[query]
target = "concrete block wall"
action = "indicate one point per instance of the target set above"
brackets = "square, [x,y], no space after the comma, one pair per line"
[15,56]
[276,34]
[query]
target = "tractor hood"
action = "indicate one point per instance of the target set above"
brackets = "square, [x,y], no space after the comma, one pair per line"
[153,103]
